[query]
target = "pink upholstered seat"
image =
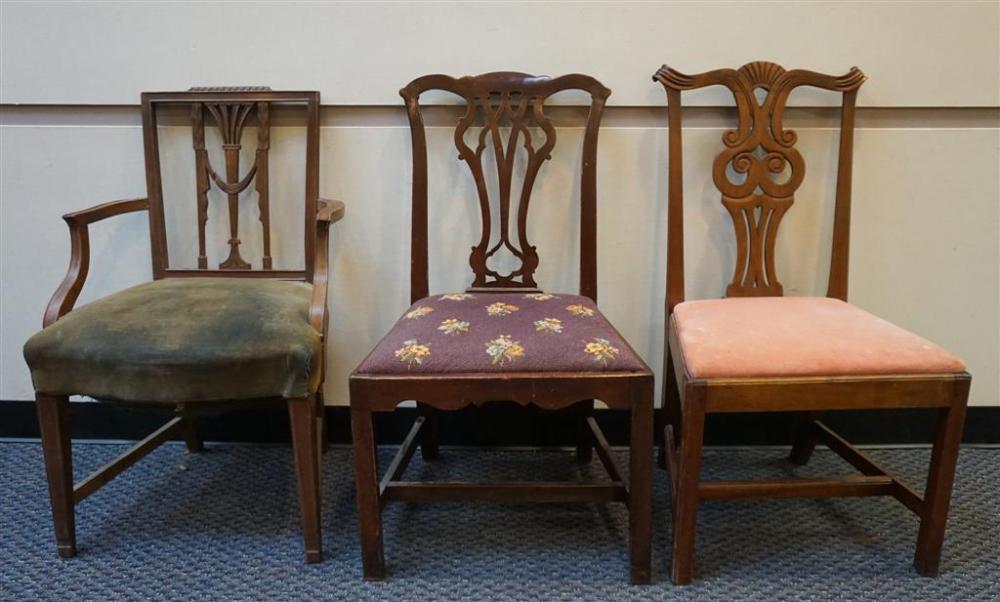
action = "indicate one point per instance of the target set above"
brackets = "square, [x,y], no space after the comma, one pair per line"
[799,336]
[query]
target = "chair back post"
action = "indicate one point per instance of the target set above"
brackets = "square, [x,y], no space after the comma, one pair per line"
[675,202]
[508,108]
[588,199]
[840,257]
[419,284]
[154,187]
[312,182]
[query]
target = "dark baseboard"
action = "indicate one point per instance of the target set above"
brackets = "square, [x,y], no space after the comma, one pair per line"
[498,425]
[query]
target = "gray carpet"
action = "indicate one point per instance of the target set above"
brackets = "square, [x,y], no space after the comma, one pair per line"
[223,525]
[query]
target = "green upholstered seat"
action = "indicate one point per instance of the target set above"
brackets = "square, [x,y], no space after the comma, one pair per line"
[183,340]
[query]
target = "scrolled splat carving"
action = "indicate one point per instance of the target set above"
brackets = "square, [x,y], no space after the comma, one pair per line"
[759,170]
[504,116]
[231,118]
[515,112]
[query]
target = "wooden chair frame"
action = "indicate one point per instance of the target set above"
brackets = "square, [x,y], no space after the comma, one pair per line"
[306,415]
[513,96]
[685,406]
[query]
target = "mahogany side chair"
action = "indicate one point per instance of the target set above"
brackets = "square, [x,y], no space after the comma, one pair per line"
[503,339]
[757,351]
[194,339]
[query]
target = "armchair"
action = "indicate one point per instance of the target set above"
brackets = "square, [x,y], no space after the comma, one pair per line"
[193,338]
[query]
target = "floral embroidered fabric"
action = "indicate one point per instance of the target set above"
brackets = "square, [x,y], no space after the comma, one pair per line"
[501,332]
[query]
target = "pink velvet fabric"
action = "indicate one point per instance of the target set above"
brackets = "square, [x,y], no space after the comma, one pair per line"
[799,336]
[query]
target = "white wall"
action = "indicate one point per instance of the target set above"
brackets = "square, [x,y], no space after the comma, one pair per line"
[926,222]
[917,53]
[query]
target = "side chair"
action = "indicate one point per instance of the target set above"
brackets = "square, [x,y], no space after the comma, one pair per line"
[195,338]
[503,338]
[757,351]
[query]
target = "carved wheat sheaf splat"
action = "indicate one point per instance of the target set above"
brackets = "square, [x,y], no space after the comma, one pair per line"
[760,169]
[507,118]
[231,119]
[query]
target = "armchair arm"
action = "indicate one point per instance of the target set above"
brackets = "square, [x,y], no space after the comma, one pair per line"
[79,262]
[327,213]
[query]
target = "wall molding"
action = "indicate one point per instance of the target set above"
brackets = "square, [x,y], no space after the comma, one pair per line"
[495,425]
[31,115]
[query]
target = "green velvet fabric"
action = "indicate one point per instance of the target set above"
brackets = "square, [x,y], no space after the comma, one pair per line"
[183,340]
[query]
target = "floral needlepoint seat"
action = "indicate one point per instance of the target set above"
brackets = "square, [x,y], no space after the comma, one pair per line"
[501,332]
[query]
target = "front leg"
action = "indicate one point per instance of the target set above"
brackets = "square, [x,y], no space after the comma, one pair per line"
[686,491]
[369,506]
[302,415]
[53,424]
[640,505]
[940,479]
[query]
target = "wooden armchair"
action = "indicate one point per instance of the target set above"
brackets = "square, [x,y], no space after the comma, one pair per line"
[757,351]
[502,339]
[195,338]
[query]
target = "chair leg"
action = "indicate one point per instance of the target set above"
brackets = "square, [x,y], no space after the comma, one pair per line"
[302,415]
[640,485]
[686,493]
[671,407]
[805,439]
[940,477]
[429,433]
[584,438]
[53,423]
[322,435]
[189,429]
[369,510]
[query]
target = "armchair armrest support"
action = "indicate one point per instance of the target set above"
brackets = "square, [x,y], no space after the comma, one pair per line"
[328,212]
[79,263]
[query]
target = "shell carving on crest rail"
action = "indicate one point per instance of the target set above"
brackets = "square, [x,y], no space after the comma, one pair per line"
[231,118]
[759,169]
